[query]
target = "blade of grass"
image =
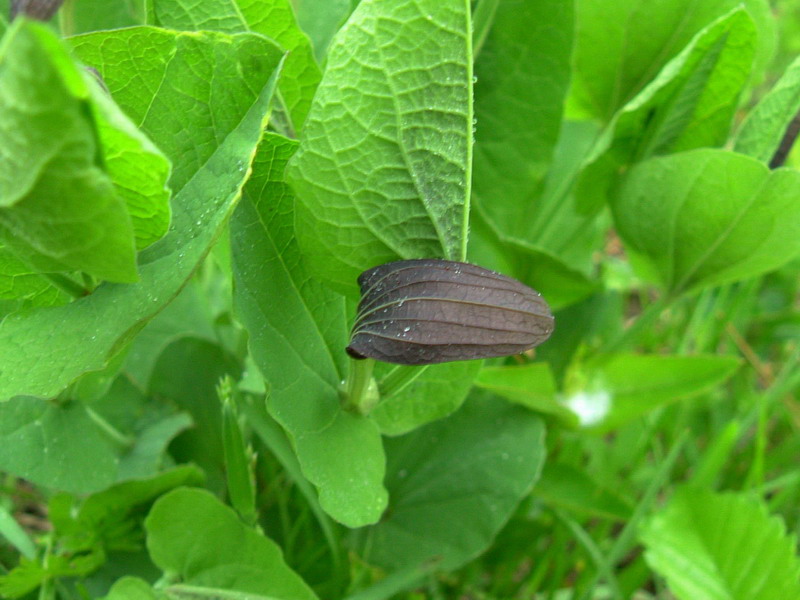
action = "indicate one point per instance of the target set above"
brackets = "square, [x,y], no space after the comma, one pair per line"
[626,536]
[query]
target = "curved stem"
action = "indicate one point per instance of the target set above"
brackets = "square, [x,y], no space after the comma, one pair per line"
[360,391]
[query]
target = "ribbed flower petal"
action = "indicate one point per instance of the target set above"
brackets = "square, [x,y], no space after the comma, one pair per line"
[419,312]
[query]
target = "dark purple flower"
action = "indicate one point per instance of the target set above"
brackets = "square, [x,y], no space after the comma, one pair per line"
[419,312]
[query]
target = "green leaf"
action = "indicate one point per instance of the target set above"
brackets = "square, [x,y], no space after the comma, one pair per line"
[191,534]
[762,130]
[130,588]
[20,282]
[621,45]
[454,483]
[187,315]
[272,18]
[297,338]
[320,19]
[690,225]
[531,385]
[60,447]
[95,15]
[22,579]
[623,387]
[214,80]
[208,120]
[109,520]
[519,109]
[78,448]
[383,168]
[711,546]
[562,284]
[138,170]
[439,391]
[59,210]
[692,102]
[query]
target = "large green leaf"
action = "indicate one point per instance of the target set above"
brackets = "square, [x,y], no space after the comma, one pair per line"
[214,79]
[764,127]
[60,447]
[622,45]
[81,448]
[454,483]
[383,168]
[297,337]
[23,284]
[208,119]
[618,389]
[193,535]
[437,392]
[523,73]
[273,18]
[59,210]
[518,114]
[712,546]
[690,224]
[138,170]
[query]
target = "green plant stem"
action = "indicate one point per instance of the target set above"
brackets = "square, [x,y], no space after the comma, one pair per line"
[66,284]
[66,18]
[398,378]
[358,397]
[470,138]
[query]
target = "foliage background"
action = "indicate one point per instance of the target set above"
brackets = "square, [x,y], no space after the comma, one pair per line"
[178,254]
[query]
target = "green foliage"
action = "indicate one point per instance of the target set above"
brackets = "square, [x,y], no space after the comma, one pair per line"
[751,223]
[404,137]
[453,484]
[275,19]
[297,340]
[710,528]
[194,537]
[188,192]
[38,350]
